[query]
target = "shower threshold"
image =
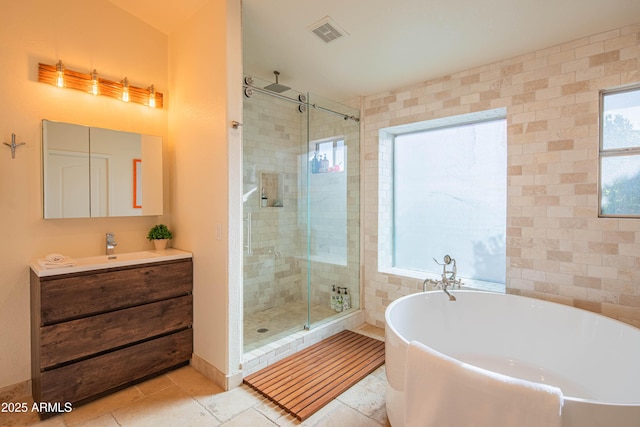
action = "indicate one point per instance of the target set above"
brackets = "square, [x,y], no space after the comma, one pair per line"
[299,339]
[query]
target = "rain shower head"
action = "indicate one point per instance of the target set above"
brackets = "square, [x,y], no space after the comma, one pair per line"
[277,87]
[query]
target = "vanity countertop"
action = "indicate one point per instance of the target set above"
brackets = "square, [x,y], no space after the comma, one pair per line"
[110,261]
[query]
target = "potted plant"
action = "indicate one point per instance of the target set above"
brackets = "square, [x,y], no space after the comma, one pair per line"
[159,234]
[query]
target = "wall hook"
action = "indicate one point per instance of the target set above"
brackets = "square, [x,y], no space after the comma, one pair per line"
[13,145]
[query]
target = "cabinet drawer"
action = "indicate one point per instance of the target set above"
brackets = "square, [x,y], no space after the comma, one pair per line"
[79,295]
[64,342]
[78,381]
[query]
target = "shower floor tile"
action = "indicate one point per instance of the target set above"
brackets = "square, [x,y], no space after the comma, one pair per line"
[278,322]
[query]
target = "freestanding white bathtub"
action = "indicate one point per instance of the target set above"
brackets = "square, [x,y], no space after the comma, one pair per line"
[593,359]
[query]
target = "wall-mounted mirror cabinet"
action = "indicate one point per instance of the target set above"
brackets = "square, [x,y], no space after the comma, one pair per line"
[94,172]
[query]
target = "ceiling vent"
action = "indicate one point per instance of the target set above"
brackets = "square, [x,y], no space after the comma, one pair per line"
[327,30]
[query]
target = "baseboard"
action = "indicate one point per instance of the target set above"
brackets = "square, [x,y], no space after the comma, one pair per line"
[214,374]
[16,392]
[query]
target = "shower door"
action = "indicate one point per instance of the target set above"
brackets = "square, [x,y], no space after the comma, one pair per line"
[297,244]
[333,197]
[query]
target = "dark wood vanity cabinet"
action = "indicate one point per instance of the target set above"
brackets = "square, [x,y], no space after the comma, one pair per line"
[96,331]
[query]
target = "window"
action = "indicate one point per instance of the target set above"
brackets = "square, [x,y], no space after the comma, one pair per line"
[620,153]
[448,185]
[327,155]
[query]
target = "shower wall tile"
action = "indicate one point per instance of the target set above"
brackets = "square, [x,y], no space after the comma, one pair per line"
[270,137]
[557,247]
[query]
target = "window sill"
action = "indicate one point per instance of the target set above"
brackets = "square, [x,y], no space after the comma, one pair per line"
[478,285]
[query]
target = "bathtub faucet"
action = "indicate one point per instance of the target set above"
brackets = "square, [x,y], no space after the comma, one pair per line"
[447,278]
[444,288]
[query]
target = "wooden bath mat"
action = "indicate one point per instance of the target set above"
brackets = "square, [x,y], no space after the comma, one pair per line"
[306,381]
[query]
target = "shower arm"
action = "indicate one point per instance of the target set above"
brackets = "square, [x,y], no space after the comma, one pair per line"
[296,101]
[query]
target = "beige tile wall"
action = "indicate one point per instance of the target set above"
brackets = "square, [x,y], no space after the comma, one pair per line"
[557,247]
[271,143]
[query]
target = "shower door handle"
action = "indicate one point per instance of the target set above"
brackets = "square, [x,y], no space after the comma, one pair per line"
[249,245]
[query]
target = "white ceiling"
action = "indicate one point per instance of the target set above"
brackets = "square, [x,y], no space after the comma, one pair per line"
[394,43]
[164,15]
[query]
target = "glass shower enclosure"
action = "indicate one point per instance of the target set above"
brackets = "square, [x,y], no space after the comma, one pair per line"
[301,207]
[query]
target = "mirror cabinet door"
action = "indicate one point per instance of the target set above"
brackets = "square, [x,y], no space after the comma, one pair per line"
[65,170]
[94,172]
[149,176]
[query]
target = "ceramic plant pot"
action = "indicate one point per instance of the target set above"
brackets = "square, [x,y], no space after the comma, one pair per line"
[160,244]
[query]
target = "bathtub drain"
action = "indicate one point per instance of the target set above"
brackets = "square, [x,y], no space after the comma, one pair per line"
[262,330]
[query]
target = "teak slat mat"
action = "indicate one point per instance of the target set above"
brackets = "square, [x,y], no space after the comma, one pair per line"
[306,381]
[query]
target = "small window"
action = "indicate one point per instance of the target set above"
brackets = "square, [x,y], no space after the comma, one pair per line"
[620,153]
[327,155]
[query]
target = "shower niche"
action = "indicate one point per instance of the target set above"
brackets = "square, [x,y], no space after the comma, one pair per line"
[271,189]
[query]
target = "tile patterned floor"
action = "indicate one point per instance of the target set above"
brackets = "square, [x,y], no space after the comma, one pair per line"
[184,397]
[282,321]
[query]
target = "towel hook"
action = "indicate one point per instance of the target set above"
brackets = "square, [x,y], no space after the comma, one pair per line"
[13,145]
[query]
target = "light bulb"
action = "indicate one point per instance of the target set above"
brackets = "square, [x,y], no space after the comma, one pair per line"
[59,74]
[95,88]
[152,97]
[125,90]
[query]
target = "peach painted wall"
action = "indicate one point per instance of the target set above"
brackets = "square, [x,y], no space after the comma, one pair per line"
[557,247]
[85,35]
[205,78]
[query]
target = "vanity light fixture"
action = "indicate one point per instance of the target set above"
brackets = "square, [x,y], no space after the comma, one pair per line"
[125,90]
[60,76]
[152,96]
[95,87]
